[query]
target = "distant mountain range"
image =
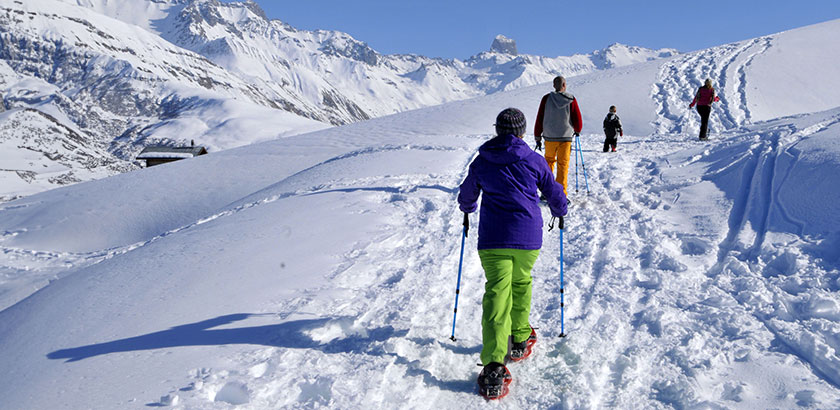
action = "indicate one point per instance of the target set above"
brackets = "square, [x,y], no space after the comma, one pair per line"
[119,75]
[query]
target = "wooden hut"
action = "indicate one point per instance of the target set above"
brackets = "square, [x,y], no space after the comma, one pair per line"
[159,154]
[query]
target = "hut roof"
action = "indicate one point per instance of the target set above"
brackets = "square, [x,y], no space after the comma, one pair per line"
[156,151]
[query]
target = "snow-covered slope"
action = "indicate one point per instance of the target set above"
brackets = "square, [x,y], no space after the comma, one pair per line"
[319,270]
[129,73]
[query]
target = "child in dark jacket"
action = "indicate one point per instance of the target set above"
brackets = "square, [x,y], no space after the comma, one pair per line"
[612,129]
[508,173]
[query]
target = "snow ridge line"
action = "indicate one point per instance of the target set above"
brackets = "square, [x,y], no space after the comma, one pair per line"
[93,258]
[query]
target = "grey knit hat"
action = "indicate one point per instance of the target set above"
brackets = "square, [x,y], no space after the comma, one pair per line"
[510,121]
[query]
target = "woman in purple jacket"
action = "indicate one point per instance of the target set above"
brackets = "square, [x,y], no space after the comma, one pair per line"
[509,173]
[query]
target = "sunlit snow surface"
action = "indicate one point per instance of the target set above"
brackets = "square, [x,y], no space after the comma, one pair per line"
[319,270]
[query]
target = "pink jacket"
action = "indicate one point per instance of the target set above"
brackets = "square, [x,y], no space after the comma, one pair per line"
[704,96]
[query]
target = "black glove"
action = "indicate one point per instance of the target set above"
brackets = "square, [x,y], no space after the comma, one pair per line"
[558,219]
[539,146]
[577,134]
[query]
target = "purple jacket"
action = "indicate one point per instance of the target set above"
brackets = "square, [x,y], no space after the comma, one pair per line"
[509,173]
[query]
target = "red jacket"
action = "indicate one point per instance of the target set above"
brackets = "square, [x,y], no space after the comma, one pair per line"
[574,117]
[704,96]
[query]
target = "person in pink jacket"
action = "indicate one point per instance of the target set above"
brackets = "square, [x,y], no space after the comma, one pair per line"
[703,99]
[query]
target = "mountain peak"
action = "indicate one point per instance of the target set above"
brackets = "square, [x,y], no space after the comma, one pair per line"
[504,45]
[256,9]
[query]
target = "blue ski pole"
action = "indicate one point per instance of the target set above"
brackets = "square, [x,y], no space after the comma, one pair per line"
[562,326]
[582,163]
[460,264]
[562,301]
[576,165]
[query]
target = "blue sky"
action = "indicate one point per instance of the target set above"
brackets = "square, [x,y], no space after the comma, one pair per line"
[462,28]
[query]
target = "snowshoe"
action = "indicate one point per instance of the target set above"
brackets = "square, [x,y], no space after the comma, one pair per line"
[493,381]
[523,349]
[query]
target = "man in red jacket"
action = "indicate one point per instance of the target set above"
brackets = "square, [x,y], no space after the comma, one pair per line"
[558,120]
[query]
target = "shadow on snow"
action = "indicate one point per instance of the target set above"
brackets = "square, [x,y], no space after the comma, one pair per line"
[285,335]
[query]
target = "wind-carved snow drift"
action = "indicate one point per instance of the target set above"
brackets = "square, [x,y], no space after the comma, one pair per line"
[124,74]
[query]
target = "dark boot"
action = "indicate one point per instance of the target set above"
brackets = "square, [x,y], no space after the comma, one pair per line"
[493,381]
[521,350]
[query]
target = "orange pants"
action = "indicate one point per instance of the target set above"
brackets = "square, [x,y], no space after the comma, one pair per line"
[559,152]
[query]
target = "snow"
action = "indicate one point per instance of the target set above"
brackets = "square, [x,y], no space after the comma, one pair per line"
[318,270]
[226,123]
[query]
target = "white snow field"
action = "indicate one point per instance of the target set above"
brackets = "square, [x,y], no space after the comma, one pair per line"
[319,270]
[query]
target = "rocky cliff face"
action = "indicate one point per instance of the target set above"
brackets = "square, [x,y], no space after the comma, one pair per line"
[503,45]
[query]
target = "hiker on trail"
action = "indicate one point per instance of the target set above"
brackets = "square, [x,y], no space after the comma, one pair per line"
[508,172]
[558,120]
[703,99]
[612,129]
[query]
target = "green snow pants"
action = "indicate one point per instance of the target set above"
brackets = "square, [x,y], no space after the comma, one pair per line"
[507,300]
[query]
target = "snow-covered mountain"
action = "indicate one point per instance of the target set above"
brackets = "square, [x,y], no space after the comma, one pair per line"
[119,87]
[46,153]
[126,73]
[341,79]
[319,270]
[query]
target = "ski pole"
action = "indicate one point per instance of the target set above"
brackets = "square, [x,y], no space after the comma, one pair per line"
[562,327]
[460,264]
[582,163]
[576,165]
[562,301]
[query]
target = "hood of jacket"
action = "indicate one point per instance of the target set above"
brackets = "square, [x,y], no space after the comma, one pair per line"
[561,99]
[504,149]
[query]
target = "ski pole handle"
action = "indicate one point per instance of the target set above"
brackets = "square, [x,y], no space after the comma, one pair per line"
[560,223]
[466,224]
